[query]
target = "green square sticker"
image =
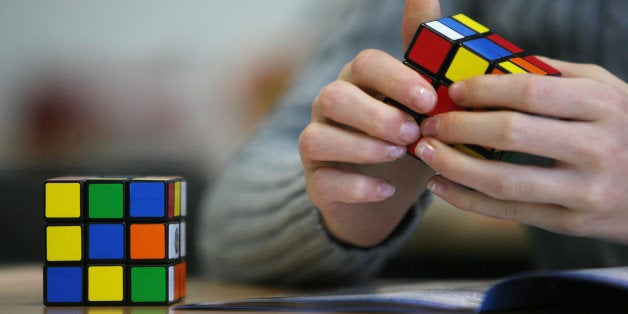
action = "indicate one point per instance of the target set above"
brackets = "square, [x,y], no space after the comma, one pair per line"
[106,200]
[148,284]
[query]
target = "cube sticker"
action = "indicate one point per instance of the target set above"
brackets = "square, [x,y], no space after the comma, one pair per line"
[63,200]
[64,243]
[105,283]
[149,284]
[63,285]
[106,200]
[147,199]
[106,241]
[147,241]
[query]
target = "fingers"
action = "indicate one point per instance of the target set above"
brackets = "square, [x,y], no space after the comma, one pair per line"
[346,104]
[350,125]
[499,180]
[566,98]
[331,186]
[415,13]
[324,142]
[382,74]
[578,120]
[587,110]
[550,217]
[511,131]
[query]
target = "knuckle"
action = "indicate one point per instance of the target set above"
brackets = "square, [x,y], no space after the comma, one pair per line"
[469,204]
[365,56]
[329,95]
[345,71]
[574,224]
[510,187]
[614,146]
[511,130]
[317,188]
[316,182]
[369,152]
[596,156]
[532,90]
[620,97]
[596,194]
[310,141]
[599,200]
[362,61]
[593,69]
[449,127]
[508,212]
[590,155]
[601,95]
[385,123]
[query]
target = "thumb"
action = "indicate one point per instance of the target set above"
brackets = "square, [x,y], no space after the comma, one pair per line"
[415,13]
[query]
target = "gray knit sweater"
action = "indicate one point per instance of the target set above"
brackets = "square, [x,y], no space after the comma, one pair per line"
[257,222]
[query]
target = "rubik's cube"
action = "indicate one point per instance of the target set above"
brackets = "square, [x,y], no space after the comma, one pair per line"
[455,48]
[114,241]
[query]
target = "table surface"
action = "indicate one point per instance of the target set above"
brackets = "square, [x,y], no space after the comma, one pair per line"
[21,292]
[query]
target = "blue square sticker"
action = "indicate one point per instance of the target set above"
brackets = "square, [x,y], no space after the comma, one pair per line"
[147,199]
[64,284]
[105,241]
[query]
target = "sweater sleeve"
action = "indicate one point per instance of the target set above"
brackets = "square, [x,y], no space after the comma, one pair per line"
[257,223]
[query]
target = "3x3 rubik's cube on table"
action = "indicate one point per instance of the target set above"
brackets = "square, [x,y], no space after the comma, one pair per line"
[114,241]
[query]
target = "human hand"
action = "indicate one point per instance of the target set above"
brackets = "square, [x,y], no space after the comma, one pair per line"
[584,193]
[354,150]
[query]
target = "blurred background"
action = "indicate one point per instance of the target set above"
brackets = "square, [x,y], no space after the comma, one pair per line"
[172,87]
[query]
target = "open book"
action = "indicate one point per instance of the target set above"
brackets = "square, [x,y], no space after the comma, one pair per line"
[604,289]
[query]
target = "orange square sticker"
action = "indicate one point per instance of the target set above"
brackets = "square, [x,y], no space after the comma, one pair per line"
[147,241]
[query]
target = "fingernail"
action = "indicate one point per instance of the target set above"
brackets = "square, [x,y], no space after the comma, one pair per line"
[456,91]
[436,187]
[395,152]
[428,127]
[386,190]
[423,99]
[409,131]
[425,151]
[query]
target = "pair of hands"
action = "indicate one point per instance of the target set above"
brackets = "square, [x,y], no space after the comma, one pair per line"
[359,177]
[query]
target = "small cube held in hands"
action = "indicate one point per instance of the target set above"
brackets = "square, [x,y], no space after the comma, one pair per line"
[455,48]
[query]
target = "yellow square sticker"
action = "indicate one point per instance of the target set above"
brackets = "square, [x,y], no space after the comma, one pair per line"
[63,200]
[466,64]
[63,243]
[105,283]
